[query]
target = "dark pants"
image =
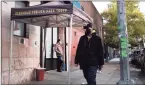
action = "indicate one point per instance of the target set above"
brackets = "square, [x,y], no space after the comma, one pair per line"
[59,63]
[99,68]
[90,74]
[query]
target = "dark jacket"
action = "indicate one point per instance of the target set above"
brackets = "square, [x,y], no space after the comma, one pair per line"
[89,53]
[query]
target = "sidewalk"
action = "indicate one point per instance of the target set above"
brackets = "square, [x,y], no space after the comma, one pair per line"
[110,75]
[116,60]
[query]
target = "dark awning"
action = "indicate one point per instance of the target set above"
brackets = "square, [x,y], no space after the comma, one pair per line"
[52,14]
[38,11]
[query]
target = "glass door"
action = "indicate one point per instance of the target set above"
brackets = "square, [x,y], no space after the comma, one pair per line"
[48,48]
[50,55]
[55,37]
[54,57]
[48,42]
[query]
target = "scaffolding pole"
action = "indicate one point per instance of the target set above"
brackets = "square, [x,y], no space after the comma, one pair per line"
[11,51]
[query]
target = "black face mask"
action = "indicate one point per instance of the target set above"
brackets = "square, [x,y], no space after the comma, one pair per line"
[93,33]
[88,32]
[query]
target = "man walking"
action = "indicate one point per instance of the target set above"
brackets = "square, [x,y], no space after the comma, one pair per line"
[89,55]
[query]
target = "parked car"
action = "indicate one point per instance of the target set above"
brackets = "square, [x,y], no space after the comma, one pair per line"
[142,61]
[138,59]
[135,58]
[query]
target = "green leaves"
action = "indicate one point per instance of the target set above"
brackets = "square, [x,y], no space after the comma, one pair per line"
[135,23]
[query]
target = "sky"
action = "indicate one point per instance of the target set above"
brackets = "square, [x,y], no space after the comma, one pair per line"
[101,6]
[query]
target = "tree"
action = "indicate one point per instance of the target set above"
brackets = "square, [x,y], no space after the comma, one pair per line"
[135,23]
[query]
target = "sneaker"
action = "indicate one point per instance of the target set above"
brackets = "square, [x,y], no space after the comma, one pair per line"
[84,83]
[100,71]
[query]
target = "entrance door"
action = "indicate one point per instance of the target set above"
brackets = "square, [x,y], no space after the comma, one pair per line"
[54,57]
[48,49]
[50,36]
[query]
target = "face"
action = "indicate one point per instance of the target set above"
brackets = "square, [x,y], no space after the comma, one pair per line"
[88,31]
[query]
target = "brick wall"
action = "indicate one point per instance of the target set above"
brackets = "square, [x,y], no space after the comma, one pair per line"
[90,9]
[25,57]
[77,32]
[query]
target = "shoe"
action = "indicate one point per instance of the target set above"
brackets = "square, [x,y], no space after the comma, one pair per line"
[100,71]
[59,71]
[84,83]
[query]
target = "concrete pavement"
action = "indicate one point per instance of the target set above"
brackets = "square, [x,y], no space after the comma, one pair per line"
[110,75]
[116,60]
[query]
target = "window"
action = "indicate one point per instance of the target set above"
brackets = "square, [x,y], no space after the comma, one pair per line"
[75,33]
[21,4]
[66,2]
[34,3]
[4,2]
[21,29]
[43,2]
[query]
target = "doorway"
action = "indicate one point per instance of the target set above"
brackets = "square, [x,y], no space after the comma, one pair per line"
[48,39]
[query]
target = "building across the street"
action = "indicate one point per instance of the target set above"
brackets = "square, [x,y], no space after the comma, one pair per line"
[30,41]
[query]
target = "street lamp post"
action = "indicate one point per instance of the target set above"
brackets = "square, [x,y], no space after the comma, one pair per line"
[123,37]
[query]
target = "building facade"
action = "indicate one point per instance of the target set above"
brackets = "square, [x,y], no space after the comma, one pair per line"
[27,53]
[26,48]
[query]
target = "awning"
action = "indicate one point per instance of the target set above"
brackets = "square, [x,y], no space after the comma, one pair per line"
[52,14]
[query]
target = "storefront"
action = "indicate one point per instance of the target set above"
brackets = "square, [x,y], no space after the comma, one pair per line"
[49,56]
[19,62]
[50,16]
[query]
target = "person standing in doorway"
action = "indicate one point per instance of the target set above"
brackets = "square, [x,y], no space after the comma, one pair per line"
[59,52]
[89,55]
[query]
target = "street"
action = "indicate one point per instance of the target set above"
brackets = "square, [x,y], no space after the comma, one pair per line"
[110,75]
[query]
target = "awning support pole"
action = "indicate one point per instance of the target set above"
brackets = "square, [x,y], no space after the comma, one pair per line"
[70,42]
[11,50]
